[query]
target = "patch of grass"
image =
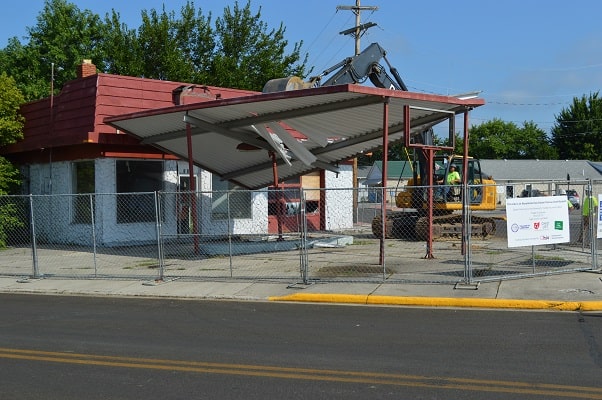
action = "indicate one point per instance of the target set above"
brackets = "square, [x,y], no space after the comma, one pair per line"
[553,258]
[150,264]
[356,271]
[360,243]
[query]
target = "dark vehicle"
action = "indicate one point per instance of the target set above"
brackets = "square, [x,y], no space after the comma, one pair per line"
[573,197]
[532,193]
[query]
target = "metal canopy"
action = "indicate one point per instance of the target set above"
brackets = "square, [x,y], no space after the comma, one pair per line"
[335,123]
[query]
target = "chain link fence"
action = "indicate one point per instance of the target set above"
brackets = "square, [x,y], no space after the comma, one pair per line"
[578,251]
[289,234]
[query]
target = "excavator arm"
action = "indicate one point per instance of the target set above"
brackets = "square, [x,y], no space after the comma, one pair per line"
[354,70]
[364,65]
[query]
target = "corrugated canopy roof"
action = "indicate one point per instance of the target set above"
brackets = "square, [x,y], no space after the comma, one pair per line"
[336,122]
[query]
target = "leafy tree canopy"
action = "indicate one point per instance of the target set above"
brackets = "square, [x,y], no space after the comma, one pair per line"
[10,178]
[63,36]
[11,129]
[11,120]
[577,133]
[249,53]
[497,139]
[240,51]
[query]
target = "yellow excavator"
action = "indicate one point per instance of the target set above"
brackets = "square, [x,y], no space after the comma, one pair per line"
[411,220]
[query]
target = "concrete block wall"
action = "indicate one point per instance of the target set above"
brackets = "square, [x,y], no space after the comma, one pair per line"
[52,185]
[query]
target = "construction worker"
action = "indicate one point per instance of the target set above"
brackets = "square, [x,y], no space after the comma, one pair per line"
[589,210]
[452,178]
[570,205]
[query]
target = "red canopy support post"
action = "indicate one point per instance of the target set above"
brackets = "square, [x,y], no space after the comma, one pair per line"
[430,157]
[465,201]
[279,199]
[383,206]
[192,194]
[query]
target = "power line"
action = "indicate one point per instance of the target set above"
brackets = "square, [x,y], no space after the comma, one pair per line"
[313,42]
[326,63]
[511,103]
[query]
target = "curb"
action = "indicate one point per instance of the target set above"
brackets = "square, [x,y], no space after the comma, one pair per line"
[556,305]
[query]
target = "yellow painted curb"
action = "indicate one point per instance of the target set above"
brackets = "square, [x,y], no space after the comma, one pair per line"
[559,305]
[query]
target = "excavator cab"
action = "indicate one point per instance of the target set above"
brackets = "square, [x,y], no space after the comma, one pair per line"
[449,176]
[447,194]
[412,219]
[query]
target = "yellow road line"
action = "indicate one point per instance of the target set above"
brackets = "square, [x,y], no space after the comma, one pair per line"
[559,305]
[372,378]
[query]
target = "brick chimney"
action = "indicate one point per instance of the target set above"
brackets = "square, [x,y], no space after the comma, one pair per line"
[86,68]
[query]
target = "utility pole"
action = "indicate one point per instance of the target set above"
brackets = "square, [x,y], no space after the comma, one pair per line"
[357,32]
[359,28]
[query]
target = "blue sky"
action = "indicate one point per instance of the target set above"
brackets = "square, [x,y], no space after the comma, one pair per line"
[529,58]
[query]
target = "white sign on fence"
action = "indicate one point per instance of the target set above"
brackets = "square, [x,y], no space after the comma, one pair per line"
[537,220]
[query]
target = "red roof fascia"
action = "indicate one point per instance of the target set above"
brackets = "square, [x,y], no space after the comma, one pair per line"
[78,111]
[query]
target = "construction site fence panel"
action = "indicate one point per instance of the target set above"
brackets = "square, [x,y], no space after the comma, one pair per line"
[291,234]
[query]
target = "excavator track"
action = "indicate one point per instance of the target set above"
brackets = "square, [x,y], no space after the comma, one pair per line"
[450,226]
[414,226]
[398,226]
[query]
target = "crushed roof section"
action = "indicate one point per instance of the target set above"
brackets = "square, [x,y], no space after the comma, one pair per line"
[337,122]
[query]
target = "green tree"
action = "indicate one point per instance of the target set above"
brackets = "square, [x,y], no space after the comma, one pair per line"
[240,52]
[497,139]
[11,121]
[163,47]
[120,48]
[248,53]
[11,129]
[63,36]
[19,62]
[577,133]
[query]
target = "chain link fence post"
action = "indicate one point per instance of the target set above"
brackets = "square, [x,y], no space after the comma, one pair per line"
[303,258]
[466,235]
[383,221]
[467,281]
[93,222]
[158,217]
[592,210]
[34,247]
[229,233]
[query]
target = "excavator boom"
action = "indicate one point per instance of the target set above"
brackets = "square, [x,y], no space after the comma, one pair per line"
[365,65]
[353,70]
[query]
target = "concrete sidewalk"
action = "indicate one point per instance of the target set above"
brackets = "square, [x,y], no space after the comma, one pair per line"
[568,292]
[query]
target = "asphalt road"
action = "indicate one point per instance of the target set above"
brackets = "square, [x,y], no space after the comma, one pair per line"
[61,347]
